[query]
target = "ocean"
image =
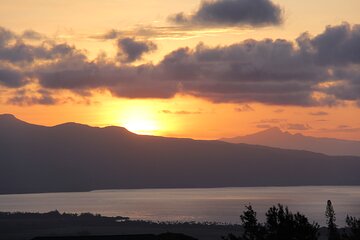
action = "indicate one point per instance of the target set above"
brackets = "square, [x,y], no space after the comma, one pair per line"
[201,205]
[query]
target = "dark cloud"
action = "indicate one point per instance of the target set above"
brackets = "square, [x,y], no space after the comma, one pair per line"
[14,49]
[277,72]
[122,81]
[232,13]
[131,50]
[11,78]
[244,108]
[272,72]
[338,45]
[112,34]
[319,113]
[26,98]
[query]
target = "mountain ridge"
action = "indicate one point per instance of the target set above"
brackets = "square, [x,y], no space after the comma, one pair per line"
[72,158]
[274,137]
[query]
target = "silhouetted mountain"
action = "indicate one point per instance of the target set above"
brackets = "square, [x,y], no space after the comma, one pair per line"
[74,157]
[274,137]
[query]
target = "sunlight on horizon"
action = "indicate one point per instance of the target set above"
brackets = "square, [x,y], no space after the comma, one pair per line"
[140,120]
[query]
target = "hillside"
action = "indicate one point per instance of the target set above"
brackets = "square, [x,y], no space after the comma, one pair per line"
[74,157]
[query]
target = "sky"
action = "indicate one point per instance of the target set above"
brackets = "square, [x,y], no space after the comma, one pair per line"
[196,69]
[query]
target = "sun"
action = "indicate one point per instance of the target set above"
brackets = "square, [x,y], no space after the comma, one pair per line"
[140,120]
[141,126]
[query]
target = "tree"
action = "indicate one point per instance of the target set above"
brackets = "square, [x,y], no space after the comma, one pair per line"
[252,229]
[354,226]
[281,224]
[330,220]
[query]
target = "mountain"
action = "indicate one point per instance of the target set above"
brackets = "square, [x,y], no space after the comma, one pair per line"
[75,157]
[274,137]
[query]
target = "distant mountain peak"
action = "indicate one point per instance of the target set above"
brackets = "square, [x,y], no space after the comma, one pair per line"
[275,137]
[273,130]
[7,116]
[10,119]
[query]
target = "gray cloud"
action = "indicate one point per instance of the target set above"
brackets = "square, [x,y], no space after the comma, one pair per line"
[244,108]
[14,50]
[338,45]
[319,113]
[112,34]
[277,72]
[232,13]
[11,78]
[26,98]
[131,50]
[32,35]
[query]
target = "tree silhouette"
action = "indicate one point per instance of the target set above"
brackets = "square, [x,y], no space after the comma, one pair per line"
[354,226]
[252,229]
[330,220]
[281,224]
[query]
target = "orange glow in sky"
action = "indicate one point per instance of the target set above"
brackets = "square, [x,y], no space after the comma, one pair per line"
[182,109]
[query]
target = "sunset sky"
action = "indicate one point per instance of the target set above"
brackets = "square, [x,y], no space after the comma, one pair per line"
[198,69]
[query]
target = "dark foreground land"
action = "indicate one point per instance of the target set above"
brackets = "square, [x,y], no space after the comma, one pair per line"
[26,226]
[280,225]
[163,236]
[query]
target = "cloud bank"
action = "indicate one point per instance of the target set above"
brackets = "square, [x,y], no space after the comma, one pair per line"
[312,71]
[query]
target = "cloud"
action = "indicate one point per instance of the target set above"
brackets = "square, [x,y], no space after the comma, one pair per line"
[232,13]
[275,72]
[111,34]
[79,75]
[11,78]
[131,50]
[32,35]
[15,50]
[181,112]
[26,98]
[244,108]
[319,113]
[342,129]
[271,120]
[298,126]
[279,110]
[338,45]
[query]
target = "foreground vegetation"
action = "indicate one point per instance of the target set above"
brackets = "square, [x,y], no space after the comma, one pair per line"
[282,224]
